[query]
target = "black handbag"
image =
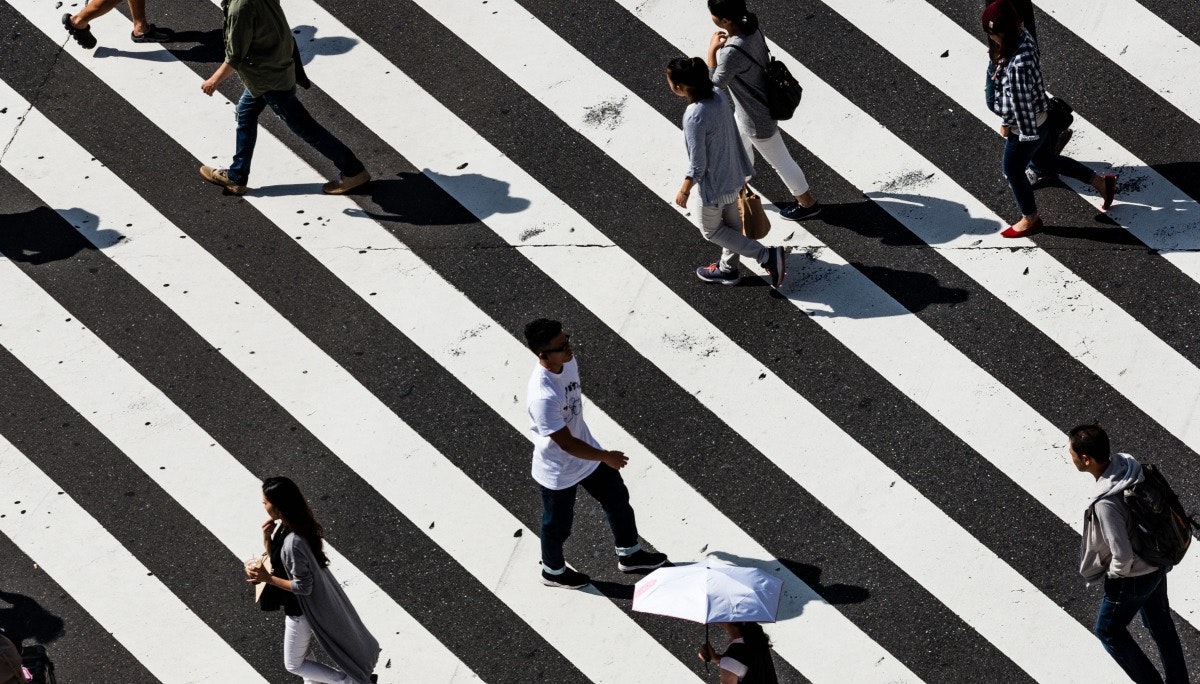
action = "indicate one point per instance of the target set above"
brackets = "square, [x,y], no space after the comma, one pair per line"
[1059,114]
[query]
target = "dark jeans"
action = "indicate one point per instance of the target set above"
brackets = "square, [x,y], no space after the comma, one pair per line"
[1145,595]
[1018,155]
[286,106]
[558,513]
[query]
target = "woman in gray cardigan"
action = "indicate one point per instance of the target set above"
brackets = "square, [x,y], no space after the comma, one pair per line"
[326,611]
[718,164]
[737,57]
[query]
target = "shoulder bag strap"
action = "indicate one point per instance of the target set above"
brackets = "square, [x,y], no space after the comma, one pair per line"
[754,95]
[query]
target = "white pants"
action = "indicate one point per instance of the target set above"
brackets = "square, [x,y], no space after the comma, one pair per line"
[776,153]
[297,644]
[722,226]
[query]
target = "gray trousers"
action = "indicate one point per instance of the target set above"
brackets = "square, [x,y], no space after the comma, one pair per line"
[722,226]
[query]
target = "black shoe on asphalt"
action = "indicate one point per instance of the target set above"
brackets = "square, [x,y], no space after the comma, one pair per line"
[567,579]
[641,560]
[776,266]
[796,212]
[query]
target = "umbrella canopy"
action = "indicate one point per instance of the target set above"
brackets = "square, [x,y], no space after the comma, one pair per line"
[710,591]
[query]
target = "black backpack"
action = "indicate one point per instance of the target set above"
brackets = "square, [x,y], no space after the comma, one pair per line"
[35,660]
[783,92]
[1162,530]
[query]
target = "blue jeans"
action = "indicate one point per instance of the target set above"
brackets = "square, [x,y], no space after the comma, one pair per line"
[1145,595]
[286,106]
[1018,155]
[558,513]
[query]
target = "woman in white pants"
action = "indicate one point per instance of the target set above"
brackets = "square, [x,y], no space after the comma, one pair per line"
[313,601]
[737,57]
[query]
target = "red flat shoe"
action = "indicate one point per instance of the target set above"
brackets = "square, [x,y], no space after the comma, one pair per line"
[1012,232]
[1110,190]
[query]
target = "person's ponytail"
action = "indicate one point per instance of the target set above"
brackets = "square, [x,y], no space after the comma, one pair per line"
[692,74]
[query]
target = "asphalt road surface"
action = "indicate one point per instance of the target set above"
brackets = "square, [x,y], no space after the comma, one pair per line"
[885,432]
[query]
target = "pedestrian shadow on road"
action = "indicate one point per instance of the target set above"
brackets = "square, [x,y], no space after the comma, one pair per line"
[311,46]
[25,619]
[835,290]
[42,235]
[418,199]
[208,46]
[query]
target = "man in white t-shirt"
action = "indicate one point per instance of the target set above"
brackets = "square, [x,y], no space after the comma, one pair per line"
[566,456]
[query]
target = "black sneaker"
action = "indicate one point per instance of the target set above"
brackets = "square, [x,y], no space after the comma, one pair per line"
[776,265]
[796,212]
[641,560]
[567,579]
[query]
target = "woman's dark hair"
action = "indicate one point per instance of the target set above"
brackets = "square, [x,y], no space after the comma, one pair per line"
[1001,19]
[753,634]
[297,516]
[735,11]
[692,74]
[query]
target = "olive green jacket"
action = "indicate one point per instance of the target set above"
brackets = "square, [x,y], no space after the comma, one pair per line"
[258,44]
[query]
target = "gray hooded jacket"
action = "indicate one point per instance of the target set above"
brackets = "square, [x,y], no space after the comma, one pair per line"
[1106,548]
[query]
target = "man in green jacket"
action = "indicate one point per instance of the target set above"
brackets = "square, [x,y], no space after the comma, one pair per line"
[259,49]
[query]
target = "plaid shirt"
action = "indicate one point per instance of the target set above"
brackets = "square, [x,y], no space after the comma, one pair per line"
[1021,96]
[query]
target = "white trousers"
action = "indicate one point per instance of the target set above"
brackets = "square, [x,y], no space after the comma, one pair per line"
[297,644]
[776,153]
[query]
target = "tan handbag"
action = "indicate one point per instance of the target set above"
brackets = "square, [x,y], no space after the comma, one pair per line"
[755,224]
[267,596]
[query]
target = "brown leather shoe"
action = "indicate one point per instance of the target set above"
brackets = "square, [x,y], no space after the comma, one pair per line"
[221,177]
[345,184]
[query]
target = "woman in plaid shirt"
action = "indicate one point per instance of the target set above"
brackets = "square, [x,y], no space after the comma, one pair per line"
[1023,107]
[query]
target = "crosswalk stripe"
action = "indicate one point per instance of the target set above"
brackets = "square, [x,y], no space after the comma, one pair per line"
[1141,43]
[568,266]
[257,340]
[108,581]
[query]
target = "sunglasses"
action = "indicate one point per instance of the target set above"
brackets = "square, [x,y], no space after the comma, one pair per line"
[556,350]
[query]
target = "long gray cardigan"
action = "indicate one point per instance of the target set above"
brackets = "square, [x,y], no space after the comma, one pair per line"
[333,619]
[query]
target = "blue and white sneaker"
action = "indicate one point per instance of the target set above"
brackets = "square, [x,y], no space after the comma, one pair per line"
[712,273]
[795,212]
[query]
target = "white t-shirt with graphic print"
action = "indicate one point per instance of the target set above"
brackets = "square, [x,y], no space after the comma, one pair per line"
[555,402]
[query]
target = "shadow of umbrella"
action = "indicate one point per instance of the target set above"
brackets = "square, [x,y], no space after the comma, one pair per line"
[43,235]
[25,618]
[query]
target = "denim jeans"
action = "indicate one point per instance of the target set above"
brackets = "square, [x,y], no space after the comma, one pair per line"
[1018,155]
[1146,595]
[286,106]
[558,513]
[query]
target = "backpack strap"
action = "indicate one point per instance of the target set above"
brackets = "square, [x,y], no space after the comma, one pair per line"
[754,95]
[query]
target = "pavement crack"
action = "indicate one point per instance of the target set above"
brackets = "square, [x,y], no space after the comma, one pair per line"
[37,94]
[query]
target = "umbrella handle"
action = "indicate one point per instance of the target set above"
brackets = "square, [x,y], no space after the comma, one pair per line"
[706,641]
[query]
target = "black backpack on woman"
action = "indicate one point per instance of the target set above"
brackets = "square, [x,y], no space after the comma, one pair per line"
[783,92]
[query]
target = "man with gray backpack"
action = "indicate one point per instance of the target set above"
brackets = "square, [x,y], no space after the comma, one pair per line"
[1127,523]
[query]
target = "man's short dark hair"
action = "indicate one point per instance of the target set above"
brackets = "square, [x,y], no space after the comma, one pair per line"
[1091,441]
[539,333]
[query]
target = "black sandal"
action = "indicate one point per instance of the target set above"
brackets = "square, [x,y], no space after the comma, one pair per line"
[154,34]
[83,36]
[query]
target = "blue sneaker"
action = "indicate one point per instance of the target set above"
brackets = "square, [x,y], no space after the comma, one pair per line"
[796,212]
[712,273]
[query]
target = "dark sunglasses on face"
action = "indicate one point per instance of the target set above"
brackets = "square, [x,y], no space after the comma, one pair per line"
[556,350]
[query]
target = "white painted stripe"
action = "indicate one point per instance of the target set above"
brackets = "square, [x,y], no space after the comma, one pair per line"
[113,586]
[322,396]
[908,352]
[1135,39]
[1149,207]
[187,463]
[866,483]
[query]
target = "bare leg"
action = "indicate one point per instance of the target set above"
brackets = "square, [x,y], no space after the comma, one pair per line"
[137,10]
[806,200]
[93,10]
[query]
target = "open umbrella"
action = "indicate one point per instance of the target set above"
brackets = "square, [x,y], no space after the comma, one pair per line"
[710,591]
